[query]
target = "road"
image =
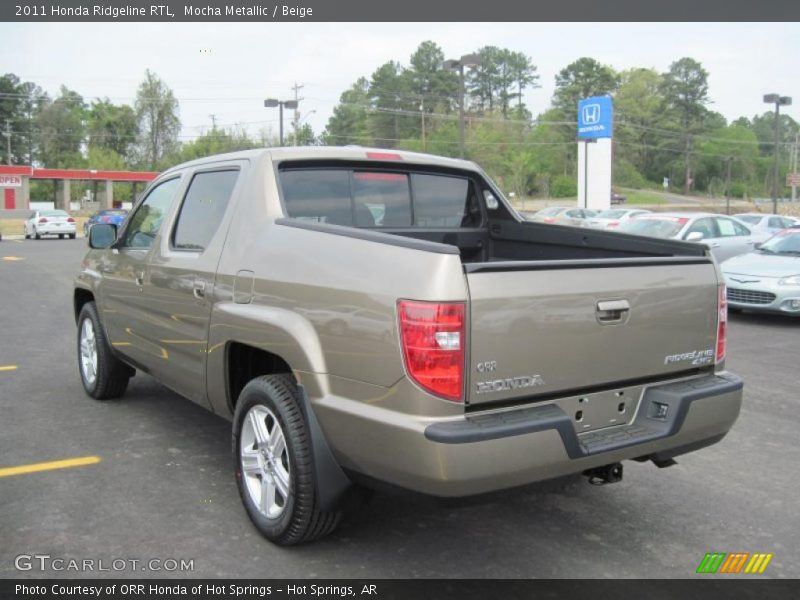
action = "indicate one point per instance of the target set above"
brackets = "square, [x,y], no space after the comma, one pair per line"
[164,486]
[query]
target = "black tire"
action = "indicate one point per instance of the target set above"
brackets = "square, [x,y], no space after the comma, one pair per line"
[61,236]
[72,236]
[25,232]
[36,234]
[300,519]
[111,375]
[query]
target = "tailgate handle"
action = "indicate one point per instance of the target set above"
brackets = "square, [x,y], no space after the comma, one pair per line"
[612,310]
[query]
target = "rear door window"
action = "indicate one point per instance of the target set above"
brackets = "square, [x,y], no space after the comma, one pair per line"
[203,208]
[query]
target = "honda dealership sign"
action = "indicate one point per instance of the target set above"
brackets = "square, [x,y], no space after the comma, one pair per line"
[595,117]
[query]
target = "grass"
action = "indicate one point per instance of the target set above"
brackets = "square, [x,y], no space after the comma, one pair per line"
[639,197]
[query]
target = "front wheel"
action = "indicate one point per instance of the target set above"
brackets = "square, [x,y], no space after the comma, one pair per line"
[274,466]
[104,376]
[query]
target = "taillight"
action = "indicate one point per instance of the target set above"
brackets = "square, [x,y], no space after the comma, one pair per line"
[70,220]
[612,224]
[722,323]
[432,337]
[549,220]
[43,220]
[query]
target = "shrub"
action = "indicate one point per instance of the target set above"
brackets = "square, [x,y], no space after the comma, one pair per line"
[563,186]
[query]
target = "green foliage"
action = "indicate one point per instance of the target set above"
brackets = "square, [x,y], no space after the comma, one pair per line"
[159,124]
[564,186]
[349,122]
[60,130]
[582,78]
[112,127]
[626,175]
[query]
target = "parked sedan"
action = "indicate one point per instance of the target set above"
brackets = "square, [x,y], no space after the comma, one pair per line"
[113,217]
[769,222]
[725,235]
[767,279]
[613,217]
[49,222]
[564,215]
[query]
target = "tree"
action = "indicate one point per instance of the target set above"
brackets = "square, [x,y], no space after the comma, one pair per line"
[638,107]
[349,122]
[112,127]
[523,75]
[580,79]
[60,130]
[389,97]
[482,80]
[158,120]
[216,141]
[685,89]
[428,81]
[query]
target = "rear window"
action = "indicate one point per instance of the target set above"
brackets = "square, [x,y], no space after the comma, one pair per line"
[752,219]
[54,213]
[371,199]
[611,214]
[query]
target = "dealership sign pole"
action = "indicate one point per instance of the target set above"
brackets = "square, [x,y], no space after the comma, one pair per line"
[595,127]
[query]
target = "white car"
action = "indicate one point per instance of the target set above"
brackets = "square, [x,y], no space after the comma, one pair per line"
[725,236]
[49,222]
[611,218]
[768,222]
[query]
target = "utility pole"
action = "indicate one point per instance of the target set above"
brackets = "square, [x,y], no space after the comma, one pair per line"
[8,141]
[794,167]
[296,121]
[422,113]
[729,160]
[213,121]
[469,60]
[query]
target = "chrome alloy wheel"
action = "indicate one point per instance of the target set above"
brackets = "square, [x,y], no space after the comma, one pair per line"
[88,348]
[264,460]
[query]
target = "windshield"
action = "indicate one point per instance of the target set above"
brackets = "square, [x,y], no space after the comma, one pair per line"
[660,227]
[785,242]
[752,219]
[611,214]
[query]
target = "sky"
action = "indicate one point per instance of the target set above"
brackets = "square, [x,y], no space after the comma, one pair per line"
[227,69]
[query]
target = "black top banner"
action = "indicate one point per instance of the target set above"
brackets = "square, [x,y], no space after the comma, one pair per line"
[406,11]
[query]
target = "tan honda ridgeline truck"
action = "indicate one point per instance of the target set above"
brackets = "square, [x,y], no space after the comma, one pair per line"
[370,315]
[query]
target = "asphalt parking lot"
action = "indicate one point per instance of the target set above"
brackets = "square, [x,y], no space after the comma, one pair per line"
[163,487]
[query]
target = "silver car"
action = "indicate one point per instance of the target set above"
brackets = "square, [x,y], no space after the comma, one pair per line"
[563,215]
[767,222]
[49,222]
[613,217]
[725,236]
[767,279]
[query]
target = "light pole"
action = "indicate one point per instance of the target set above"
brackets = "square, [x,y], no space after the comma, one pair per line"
[778,101]
[272,103]
[468,60]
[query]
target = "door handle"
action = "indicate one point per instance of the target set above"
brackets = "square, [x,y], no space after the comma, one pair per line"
[612,310]
[199,289]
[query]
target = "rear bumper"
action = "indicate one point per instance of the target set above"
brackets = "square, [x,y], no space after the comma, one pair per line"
[52,230]
[492,451]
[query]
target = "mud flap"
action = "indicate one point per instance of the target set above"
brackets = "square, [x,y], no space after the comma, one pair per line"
[332,483]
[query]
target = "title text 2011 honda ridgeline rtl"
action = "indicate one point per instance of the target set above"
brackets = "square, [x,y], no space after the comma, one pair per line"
[370,315]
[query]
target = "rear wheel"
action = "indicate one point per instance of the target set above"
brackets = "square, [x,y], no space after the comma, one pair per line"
[72,236]
[61,236]
[36,234]
[274,466]
[104,376]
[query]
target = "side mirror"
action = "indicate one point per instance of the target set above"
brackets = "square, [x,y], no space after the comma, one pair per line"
[102,235]
[491,201]
[694,236]
[757,246]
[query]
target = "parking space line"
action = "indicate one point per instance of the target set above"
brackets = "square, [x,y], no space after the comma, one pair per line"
[49,466]
[11,258]
[8,367]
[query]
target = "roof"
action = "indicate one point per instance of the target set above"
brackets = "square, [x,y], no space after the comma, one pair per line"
[338,153]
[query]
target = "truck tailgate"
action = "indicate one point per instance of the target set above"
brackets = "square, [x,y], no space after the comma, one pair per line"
[539,329]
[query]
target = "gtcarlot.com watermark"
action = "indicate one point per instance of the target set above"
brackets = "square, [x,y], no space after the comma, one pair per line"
[47,562]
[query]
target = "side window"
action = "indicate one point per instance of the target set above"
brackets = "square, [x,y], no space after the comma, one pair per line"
[203,208]
[146,221]
[729,228]
[704,226]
